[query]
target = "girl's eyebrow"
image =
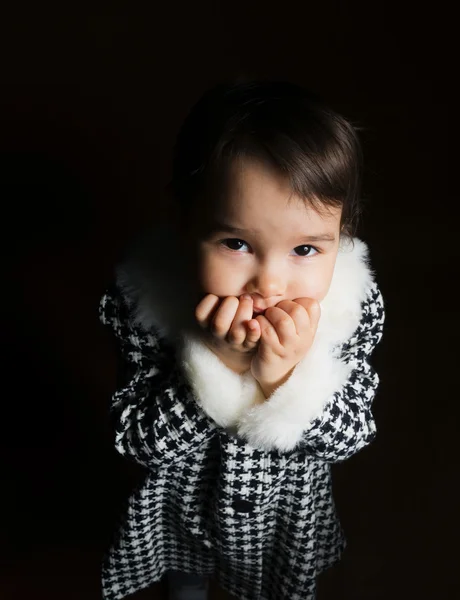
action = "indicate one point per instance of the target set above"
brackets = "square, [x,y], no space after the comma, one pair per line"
[322,237]
[218,226]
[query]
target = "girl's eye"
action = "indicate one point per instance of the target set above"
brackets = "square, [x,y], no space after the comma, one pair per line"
[234,244]
[305,250]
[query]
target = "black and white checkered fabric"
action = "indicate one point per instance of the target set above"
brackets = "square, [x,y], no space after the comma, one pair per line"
[262,522]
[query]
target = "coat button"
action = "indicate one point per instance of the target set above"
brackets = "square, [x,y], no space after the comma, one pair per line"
[243,506]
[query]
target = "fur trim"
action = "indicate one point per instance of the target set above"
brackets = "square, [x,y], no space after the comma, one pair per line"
[281,420]
[224,395]
[236,401]
[352,278]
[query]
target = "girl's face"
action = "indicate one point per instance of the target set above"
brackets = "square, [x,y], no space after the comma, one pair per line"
[261,240]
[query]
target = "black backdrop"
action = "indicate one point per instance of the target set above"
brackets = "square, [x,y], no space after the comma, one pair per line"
[92,95]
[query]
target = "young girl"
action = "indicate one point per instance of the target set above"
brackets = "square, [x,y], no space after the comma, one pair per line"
[246,326]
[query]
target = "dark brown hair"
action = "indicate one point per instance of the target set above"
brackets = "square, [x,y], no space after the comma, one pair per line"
[316,149]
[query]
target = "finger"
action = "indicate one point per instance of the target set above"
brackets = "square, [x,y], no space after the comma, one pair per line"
[298,314]
[237,333]
[223,318]
[205,310]
[313,308]
[268,332]
[283,324]
[253,334]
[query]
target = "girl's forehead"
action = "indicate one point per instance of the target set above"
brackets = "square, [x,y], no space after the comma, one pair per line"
[254,192]
[253,199]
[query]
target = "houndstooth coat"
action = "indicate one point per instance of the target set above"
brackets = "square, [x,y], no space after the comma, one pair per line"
[236,486]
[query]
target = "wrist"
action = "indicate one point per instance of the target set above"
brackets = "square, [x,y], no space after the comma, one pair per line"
[237,362]
[269,387]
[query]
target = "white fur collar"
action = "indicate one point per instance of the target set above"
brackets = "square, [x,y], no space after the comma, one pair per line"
[157,292]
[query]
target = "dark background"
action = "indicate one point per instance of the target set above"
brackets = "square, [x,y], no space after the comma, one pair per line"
[91,97]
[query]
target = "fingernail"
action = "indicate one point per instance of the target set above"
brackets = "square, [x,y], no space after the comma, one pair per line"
[246,297]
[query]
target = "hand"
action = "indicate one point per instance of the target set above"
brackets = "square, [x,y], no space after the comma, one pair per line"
[229,329]
[287,333]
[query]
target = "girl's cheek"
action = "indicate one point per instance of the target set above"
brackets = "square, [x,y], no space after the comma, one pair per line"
[311,290]
[211,277]
[324,283]
[220,278]
[316,284]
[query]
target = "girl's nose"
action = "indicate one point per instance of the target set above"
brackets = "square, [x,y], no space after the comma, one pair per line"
[268,283]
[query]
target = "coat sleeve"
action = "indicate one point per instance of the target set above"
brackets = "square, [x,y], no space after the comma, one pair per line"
[155,416]
[325,406]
